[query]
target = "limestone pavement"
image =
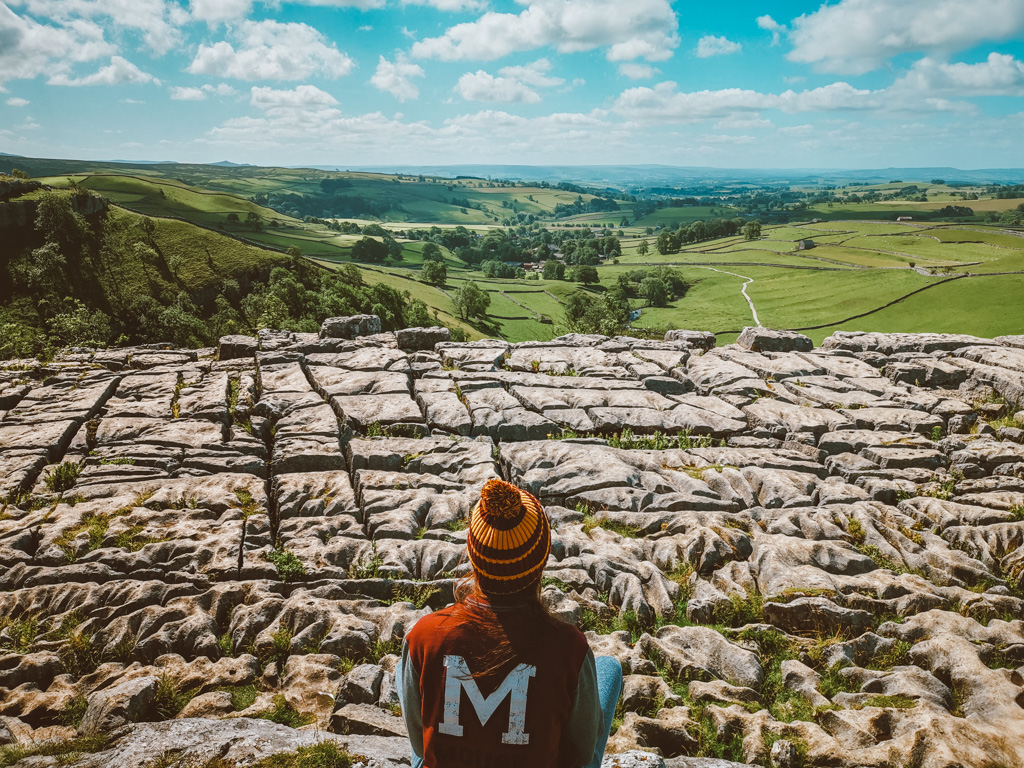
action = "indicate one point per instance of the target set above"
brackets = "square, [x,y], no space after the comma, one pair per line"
[801,556]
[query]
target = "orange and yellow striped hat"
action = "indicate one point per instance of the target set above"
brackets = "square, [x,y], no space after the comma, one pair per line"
[509,539]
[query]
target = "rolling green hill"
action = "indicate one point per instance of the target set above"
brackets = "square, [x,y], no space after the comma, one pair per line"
[198,246]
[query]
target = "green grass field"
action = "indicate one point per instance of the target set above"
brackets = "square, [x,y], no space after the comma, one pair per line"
[862,259]
[985,306]
[159,197]
[673,217]
[914,246]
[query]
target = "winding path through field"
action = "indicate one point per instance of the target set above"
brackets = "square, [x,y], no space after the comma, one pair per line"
[743,290]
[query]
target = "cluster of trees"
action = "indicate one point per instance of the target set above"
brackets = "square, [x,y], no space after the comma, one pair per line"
[955,210]
[330,204]
[608,313]
[579,205]
[376,251]
[670,241]
[515,246]
[1014,218]
[1007,191]
[60,285]
[451,239]
[657,286]
[588,249]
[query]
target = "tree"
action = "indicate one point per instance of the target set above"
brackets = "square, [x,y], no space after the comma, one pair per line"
[655,291]
[431,252]
[607,315]
[252,220]
[664,243]
[42,271]
[80,326]
[59,222]
[585,274]
[471,301]
[550,271]
[752,230]
[643,248]
[417,316]
[435,273]
[18,173]
[368,249]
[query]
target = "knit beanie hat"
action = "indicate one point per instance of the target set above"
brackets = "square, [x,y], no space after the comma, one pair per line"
[509,539]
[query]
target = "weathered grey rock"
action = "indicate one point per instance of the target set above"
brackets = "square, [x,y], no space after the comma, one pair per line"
[671,732]
[702,762]
[349,327]
[783,754]
[696,339]
[760,339]
[119,705]
[367,720]
[692,651]
[804,680]
[238,741]
[645,691]
[236,347]
[422,338]
[362,685]
[633,759]
[816,614]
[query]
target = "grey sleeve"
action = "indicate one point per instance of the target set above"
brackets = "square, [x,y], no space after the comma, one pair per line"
[585,718]
[409,696]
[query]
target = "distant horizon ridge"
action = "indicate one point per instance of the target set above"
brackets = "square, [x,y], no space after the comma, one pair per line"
[621,173]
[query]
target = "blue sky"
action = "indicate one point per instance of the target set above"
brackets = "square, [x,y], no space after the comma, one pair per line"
[845,84]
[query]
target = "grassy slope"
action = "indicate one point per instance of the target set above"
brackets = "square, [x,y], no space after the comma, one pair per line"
[784,297]
[202,260]
[985,306]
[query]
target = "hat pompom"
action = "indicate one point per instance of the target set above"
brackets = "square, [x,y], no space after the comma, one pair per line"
[500,499]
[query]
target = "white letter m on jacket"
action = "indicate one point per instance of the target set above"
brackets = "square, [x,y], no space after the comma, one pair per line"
[458,678]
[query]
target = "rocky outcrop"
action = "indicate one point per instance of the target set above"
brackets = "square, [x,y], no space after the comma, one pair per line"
[800,556]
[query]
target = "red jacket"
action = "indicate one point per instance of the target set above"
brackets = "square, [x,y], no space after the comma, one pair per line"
[539,711]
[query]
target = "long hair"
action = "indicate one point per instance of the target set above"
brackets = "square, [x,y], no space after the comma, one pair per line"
[513,626]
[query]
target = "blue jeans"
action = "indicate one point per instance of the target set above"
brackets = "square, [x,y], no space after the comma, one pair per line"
[609,688]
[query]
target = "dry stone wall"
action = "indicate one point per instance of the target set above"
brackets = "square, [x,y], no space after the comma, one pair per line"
[801,556]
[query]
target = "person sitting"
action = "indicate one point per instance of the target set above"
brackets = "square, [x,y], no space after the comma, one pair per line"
[494,680]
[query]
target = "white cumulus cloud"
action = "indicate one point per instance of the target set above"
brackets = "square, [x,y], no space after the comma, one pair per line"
[14,101]
[186,93]
[395,77]
[857,36]
[999,75]
[271,50]
[709,45]
[119,72]
[303,98]
[534,74]
[638,29]
[769,24]
[513,83]
[216,11]
[482,86]
[29,49]
[156,20]
[450,6]
[636,71]
[665,103]
[213,11]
